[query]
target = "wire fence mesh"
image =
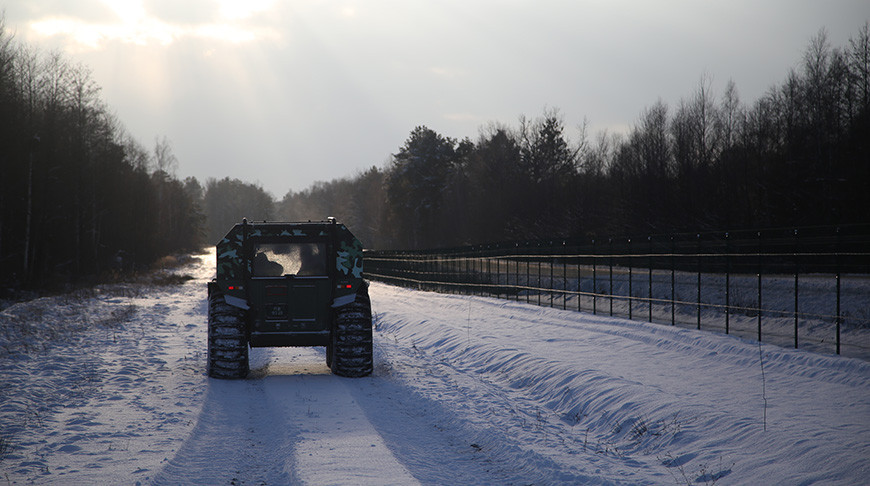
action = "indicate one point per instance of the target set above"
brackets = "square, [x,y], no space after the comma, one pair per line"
[802,287]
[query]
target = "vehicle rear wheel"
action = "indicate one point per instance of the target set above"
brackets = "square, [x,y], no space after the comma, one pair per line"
[227,340]
[350,352]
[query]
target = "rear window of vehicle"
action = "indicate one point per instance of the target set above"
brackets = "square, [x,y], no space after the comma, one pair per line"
[279,259]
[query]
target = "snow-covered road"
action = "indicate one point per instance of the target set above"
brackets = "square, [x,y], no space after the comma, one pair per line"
[109,388]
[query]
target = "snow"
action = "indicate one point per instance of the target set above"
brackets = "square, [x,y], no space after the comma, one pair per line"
[108,387]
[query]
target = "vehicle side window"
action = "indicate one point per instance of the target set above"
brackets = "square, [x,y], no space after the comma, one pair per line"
[301,259]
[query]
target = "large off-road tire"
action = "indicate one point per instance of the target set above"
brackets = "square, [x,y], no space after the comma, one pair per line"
[227,339]
[350,350]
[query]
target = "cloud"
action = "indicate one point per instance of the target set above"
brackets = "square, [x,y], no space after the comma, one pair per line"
[463,117]
[243,9]
[446,72]
[134,24]
[93,36]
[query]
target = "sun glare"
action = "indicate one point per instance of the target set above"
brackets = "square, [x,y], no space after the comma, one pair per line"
[83,36]
[243,9]
[129,11]
[225,32]
[136,26]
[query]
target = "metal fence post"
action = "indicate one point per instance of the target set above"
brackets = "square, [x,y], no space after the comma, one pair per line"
[434,272]
[451,269]
[673,282]
[538,291]
[447,268]
[495,286]
[610,243]
[471,276]
[477,274]
[551,286]
[528,278]
[427,272]
[649,261]
[727,284]
[489,288]
[837,263]
[470,273]
[517,270]
[516,275]
[796,270]
[760,260]
[594,280]
[476,271]
[446,278]
[565,277]
[698,256]
[444,274]
[459,265]
[579,288]
[629,279]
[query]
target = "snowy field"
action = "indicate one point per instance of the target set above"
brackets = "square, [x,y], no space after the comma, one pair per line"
[109,387]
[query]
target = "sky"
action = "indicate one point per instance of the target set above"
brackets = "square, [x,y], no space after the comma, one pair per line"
[285,93]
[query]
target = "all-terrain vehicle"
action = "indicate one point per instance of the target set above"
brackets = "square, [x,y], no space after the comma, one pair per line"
[289,284]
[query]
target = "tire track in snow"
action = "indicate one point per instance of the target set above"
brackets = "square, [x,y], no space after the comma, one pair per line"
[290,422]
[239,438]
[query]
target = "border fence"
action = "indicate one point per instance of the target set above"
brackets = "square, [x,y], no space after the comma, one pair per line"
[804,287]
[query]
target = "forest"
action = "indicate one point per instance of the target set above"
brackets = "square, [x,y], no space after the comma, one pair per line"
[81,198]
[799,156]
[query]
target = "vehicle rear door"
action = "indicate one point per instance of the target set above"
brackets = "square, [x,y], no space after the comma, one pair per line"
[290,286]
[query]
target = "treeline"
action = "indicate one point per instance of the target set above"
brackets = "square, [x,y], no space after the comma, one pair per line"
[78,196]
[798,156]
